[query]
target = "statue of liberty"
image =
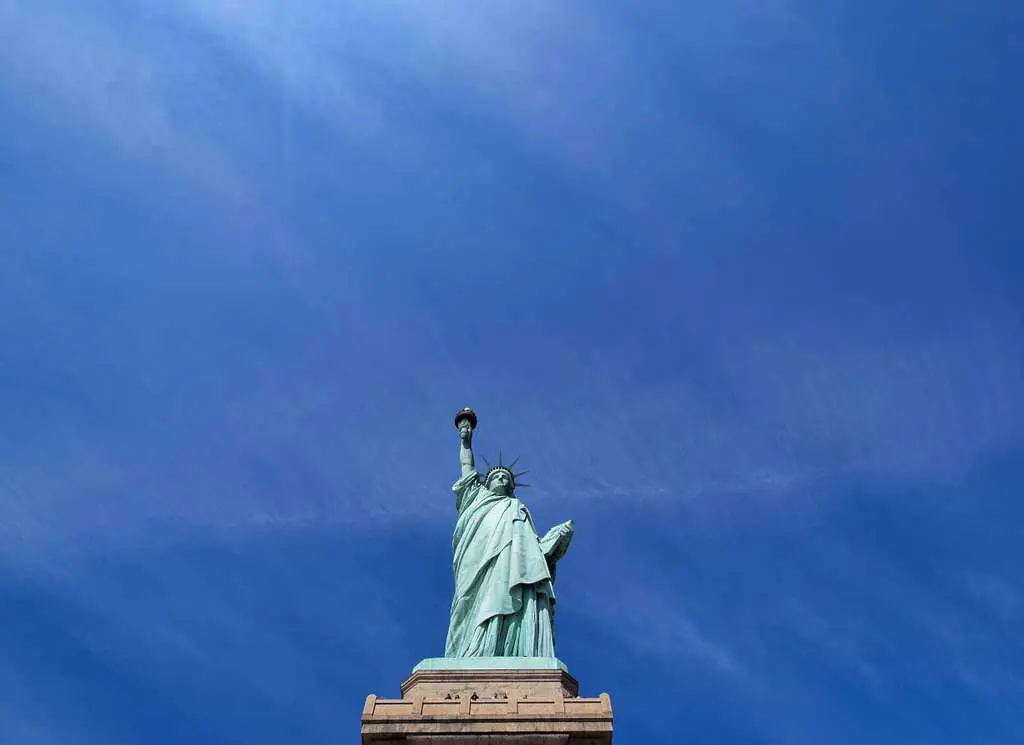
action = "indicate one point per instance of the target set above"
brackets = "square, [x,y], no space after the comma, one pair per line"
[504,602]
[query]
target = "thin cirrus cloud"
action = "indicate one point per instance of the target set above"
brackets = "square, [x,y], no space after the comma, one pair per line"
[353,67]
[854,409]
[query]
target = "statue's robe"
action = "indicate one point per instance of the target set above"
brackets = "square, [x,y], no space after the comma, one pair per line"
[504,598]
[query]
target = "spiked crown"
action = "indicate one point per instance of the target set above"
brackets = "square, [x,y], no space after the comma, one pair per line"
[501,466]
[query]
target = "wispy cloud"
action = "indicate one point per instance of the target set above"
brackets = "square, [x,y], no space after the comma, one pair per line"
[80,72]
[788,419]
[630,604]
[791,409]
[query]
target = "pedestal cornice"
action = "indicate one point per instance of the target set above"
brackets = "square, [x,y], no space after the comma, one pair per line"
[472,706]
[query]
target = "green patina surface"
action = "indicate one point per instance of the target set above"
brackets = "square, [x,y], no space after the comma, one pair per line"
[504,603]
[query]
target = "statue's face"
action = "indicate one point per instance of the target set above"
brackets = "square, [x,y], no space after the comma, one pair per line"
[500,483]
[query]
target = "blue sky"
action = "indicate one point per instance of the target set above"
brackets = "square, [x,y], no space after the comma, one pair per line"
[739,281]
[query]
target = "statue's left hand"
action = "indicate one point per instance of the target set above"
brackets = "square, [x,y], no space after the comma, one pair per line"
[556,541]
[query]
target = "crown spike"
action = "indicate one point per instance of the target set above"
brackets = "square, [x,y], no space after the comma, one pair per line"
[517,474]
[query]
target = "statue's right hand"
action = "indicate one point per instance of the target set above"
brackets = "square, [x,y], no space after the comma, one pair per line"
[465,431]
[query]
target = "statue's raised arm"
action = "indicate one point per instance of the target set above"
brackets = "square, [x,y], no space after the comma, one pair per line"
[465,422]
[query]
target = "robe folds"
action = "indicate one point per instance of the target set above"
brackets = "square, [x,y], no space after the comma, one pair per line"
[504,598]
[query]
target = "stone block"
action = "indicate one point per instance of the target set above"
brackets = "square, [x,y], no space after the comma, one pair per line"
[491,704]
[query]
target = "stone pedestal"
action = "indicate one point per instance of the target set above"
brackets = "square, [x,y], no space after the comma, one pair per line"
[485,701]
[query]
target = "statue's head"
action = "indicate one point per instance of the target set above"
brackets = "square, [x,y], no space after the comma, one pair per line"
[501,480]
